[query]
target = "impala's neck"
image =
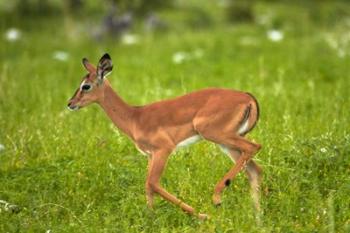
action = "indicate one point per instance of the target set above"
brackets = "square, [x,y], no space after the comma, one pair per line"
[118,111]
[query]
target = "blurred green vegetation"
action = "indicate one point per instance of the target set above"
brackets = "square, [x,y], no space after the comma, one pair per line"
[318,11]
[74,172]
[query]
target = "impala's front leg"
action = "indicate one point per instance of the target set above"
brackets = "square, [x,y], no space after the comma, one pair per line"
[155,170]
[149,191]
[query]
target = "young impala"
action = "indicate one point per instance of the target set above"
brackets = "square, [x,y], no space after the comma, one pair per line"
[218,115]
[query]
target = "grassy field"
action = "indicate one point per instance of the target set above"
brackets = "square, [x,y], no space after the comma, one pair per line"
[75,172]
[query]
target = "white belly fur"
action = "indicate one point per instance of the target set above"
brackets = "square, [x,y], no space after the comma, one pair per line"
[188,141]
[193,139]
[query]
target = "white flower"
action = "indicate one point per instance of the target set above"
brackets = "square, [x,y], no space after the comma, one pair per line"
[2,147]
[130,39]
[60,55]
[275,35]
[323,150]
[179,57]
[13,34]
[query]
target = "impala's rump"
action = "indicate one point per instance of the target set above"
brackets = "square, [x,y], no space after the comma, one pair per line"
[250,117]
[245,121]
[256,111]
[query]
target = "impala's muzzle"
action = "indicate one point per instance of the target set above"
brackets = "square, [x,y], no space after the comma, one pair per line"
[72,107]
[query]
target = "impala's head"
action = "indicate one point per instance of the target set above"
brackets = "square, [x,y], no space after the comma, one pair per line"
[91,87]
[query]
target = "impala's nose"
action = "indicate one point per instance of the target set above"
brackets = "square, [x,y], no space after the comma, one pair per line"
[70,105]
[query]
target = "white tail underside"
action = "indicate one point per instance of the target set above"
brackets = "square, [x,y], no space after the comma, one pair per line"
[244,127]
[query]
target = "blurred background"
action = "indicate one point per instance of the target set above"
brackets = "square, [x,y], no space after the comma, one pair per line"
[140,34]
[140,21]
[74,172]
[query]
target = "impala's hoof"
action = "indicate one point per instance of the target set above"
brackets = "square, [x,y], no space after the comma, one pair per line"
[217,200]
[203,216]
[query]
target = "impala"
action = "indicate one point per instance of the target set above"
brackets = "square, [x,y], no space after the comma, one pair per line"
[218,115]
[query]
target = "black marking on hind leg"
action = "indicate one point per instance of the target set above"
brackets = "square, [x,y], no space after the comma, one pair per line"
[227,182]
[218,205]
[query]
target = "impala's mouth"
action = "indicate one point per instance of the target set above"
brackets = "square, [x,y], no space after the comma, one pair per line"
[72,108]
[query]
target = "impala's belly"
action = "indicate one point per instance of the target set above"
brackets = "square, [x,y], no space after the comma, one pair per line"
[188,141]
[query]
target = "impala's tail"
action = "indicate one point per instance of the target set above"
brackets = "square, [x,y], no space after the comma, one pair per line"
[250,116]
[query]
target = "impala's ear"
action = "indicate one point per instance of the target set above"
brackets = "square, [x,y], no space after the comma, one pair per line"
[88,66]
[104,66]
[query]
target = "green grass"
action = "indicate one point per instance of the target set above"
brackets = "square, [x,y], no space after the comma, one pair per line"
[74,172]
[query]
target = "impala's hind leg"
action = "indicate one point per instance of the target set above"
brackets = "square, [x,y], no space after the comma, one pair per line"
[248,150]
[230,134]
[253,172]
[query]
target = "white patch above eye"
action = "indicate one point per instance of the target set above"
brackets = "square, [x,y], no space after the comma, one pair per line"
[188,141]
[83,84]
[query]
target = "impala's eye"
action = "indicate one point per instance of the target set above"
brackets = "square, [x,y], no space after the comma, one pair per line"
[86,87]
